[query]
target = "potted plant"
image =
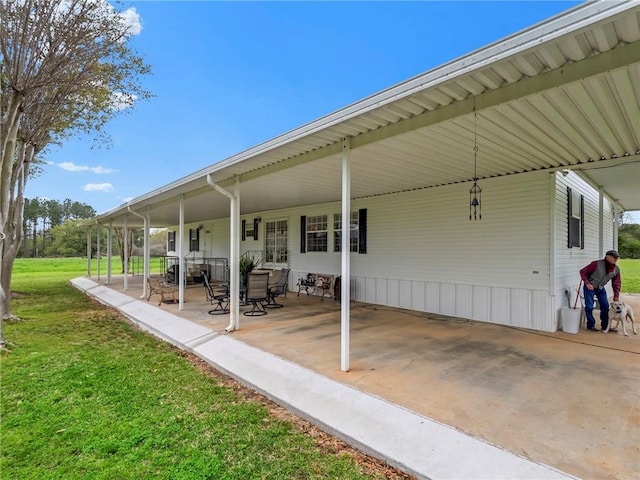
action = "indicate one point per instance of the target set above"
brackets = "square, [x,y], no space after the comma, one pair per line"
[247,264]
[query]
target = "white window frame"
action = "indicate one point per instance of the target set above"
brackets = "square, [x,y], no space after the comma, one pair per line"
[280,254]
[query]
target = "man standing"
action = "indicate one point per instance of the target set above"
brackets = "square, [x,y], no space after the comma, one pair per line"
[595,276]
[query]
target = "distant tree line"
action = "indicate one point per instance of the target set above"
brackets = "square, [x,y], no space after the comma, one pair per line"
[629,240]
[56,228]
[41,221]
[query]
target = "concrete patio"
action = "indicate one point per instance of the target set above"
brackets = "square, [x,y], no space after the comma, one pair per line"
[564,400]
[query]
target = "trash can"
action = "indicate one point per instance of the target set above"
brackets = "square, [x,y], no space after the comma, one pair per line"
[570,319]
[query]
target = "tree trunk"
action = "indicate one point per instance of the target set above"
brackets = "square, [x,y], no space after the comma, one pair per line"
[13,233]
[9,166]
[120,238]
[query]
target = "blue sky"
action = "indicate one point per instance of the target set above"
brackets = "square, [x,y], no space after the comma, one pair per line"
[230,75]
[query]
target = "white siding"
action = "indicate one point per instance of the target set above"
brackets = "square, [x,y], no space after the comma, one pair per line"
[426,235]
[220,240]
[568,261]
[214,239]
[424,254]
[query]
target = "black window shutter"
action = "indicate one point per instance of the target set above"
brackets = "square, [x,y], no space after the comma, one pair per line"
[582,222]
[194,240]
[569,206]
[255,229]
[303,234]
[244,228]
[362,230]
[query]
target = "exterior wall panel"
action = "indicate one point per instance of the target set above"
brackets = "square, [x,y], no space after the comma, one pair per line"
[418,300]
[464,301]
[433,297]
[482,303]
[447,299]
[405,291]
[359,288]
[520,308]
[424,254]
[500,302]
[381,293]
[393,292]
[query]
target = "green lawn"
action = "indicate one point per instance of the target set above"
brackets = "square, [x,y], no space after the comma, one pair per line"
[630,269]
[86,395]
[74,267]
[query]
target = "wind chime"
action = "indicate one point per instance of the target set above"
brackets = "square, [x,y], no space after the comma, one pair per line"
[475,193]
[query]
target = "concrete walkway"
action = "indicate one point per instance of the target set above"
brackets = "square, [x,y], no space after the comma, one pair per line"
[411,442]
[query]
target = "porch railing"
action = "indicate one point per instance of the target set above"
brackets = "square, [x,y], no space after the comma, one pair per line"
[216,268]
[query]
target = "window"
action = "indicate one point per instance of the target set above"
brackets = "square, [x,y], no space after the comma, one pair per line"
[171,241]
[317,233]
[276,240]
[353,234]
[194,239]
[314,233]
[575,219]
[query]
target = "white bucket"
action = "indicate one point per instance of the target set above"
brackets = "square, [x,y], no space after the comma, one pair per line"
[570,319]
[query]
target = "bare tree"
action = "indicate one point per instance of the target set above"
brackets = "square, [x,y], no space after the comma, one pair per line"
[65,68]
[131,234]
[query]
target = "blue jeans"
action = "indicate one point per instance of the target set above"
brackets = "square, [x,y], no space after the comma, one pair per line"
[601,295]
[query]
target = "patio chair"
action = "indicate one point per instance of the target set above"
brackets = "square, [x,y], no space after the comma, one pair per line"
[278,288]
[257,292]
[157,286]
[219,297]
[172,274]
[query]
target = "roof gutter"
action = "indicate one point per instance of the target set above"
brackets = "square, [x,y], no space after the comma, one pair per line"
[218,188]
[234,251]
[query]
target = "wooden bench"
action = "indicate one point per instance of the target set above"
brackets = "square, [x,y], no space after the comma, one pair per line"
[157,286]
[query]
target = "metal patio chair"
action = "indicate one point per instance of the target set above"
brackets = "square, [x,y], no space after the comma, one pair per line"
[218,296]
[278,288]
[257,292]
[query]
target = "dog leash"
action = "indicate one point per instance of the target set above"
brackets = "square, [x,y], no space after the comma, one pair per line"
[575,304]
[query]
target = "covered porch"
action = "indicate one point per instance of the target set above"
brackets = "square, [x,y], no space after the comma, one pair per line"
[569,401]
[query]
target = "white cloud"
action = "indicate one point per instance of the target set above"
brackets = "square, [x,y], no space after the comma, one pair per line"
[98,187]
[102,170]
[132,19]
[72,167]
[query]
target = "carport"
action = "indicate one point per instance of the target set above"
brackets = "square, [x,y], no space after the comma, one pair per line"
[561,95]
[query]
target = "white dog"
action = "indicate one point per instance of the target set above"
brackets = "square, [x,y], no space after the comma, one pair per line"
[619,312]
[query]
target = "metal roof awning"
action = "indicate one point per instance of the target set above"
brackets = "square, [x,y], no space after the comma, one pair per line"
[563,94]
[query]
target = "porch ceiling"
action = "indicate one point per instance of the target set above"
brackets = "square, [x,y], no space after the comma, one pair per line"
[563,94]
